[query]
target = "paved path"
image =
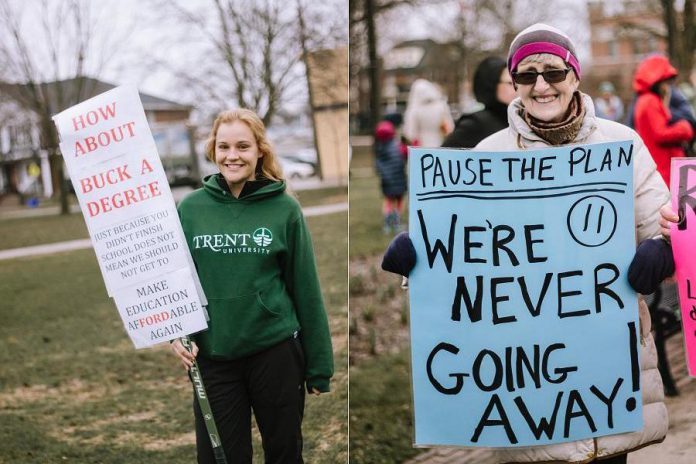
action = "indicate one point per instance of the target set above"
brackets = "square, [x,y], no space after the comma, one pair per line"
[678,447]
[325,209]
[178,193]
[35,212]
[87,243]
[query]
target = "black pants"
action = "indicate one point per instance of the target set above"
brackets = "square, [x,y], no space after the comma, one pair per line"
[270,383]
[619,459]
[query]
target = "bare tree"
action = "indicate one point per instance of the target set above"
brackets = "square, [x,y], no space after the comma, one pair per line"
[317,32]
[364,45]
[304,45]
[252,50]
[48,48]
[478,27]
[475,25]
[681,34]
[678,28]
[488,27]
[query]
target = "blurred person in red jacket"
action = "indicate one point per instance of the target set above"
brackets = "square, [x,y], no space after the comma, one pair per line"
[653,120]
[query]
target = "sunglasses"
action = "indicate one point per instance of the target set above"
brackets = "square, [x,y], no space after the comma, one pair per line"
[552,76]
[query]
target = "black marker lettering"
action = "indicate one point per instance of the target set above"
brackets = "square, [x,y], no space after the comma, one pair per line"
[447,254]
[485,421]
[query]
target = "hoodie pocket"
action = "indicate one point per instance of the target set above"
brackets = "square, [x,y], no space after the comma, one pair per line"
[249,323]
[274,312]
[276,301]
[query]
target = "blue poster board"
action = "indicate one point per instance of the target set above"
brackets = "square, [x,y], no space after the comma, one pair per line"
[524,329]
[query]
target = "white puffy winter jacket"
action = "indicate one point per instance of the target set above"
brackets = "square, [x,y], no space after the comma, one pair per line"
[650,194]
[427,118]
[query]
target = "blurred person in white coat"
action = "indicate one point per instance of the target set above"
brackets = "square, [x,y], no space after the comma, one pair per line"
[427,119]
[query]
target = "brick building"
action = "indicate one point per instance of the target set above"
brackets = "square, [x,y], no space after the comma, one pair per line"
[620,38]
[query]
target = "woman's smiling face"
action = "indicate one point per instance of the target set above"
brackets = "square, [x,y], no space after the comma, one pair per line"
[236,154]
[546,102]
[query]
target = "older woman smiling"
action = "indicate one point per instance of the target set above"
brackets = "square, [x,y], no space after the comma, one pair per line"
[550,111]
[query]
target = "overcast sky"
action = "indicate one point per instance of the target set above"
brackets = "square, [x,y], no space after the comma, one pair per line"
[139,33]
[143,45]
[431,21]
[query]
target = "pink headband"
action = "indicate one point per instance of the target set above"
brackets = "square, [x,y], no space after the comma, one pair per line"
[544,47]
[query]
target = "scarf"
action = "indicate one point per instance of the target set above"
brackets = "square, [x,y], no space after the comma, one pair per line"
[559,133]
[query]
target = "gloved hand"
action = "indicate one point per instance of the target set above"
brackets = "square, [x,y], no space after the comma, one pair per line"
[400,257]
[652,263]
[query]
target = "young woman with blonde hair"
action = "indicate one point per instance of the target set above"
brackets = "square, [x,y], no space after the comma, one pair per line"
[268,336]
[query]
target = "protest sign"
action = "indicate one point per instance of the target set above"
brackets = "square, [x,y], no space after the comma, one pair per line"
[131,216]
[683,235]
[157,309]
[524,329]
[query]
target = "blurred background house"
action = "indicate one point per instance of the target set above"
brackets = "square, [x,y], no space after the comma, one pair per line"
[620,37]
[410,60]
[25,167]
[54,54]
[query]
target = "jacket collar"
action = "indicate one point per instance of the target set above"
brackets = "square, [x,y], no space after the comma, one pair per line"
[527,137]
[252,190]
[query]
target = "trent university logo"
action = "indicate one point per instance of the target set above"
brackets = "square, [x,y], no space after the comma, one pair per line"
[262,237]
[257,242]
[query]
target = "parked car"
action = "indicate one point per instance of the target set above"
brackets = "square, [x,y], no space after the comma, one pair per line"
[306,156]
[174,146]
[303,155]
[293,169]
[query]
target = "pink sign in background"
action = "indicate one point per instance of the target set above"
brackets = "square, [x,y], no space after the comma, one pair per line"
[683,188]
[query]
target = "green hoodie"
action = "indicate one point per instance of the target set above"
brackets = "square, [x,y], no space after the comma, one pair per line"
[256,264]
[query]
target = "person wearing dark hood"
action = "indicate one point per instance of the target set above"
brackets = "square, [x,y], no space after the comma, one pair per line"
[493,88]
[652,82]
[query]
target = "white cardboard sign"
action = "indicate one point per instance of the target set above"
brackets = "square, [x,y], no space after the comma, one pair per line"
[162,308]
[131,217]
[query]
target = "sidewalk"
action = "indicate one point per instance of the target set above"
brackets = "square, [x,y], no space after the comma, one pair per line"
[87,243]
[678,447]
[23,212]
[18,211]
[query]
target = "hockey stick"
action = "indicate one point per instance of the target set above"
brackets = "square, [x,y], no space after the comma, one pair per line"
[197,380]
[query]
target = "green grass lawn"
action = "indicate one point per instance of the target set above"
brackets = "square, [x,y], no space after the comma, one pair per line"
[323,196]
[366,220]
[362,158]
[73,389]
[381,420]
[22,232]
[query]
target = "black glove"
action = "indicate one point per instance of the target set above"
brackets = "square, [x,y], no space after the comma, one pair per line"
[652,263]
[400,257]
